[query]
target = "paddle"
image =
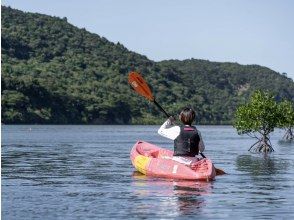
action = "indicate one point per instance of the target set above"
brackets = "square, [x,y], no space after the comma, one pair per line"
[141,87]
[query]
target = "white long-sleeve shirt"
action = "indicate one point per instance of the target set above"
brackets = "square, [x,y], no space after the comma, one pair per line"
[171,131]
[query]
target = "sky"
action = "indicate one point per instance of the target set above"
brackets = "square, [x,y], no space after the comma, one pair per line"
[243,31]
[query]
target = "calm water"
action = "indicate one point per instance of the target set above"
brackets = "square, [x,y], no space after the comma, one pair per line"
[84,172]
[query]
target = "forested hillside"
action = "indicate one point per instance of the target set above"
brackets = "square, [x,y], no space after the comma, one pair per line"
[56,73]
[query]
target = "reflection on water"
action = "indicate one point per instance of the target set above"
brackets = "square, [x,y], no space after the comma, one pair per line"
[45,165]
[286,143]
[85,172]
[187,196]
[261,165]
[264,173]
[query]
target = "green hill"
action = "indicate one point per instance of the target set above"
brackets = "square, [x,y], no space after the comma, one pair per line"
[56,73]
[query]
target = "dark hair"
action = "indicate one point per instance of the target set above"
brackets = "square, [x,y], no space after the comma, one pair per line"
[187,116]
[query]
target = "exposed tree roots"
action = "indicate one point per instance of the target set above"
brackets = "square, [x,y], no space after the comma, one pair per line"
[289,135]
[263,145]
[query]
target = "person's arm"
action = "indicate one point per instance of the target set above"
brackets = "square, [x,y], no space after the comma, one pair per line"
[201,143]
[169,130]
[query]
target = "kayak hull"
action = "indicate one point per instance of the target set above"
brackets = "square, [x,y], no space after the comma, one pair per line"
[152,160]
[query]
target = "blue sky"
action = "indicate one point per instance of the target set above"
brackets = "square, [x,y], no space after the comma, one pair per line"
[244,31]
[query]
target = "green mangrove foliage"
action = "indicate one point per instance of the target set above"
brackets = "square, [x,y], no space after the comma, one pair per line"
[56,73]
[260,116]
[286,109]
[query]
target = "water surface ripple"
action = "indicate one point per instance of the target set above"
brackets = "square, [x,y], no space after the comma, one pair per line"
[84,172]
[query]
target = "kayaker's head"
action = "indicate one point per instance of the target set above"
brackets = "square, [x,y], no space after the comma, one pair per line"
[187,116]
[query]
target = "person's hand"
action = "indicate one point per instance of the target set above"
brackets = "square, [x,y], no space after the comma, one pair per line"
[172,119]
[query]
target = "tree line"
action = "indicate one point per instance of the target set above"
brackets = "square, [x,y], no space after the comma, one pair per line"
[56,73]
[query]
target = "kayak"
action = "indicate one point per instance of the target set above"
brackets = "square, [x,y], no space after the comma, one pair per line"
[152,160]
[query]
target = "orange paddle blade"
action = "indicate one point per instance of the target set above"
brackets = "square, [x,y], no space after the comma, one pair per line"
[140,86]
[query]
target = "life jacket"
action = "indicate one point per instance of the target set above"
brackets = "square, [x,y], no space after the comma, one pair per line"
[186,144]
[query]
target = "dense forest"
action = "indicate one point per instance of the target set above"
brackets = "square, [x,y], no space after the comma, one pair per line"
[56,73]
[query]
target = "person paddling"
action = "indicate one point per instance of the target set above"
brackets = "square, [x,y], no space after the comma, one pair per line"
[187,139]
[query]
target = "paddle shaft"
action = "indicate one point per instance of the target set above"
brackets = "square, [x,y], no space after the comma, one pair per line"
[202,155]
[159,106]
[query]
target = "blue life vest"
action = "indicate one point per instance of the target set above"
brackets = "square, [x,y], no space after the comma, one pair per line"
[186,144]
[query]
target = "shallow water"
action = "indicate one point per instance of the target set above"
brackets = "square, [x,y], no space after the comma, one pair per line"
[83,172]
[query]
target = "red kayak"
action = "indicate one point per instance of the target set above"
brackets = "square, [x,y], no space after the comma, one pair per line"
[152,160]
